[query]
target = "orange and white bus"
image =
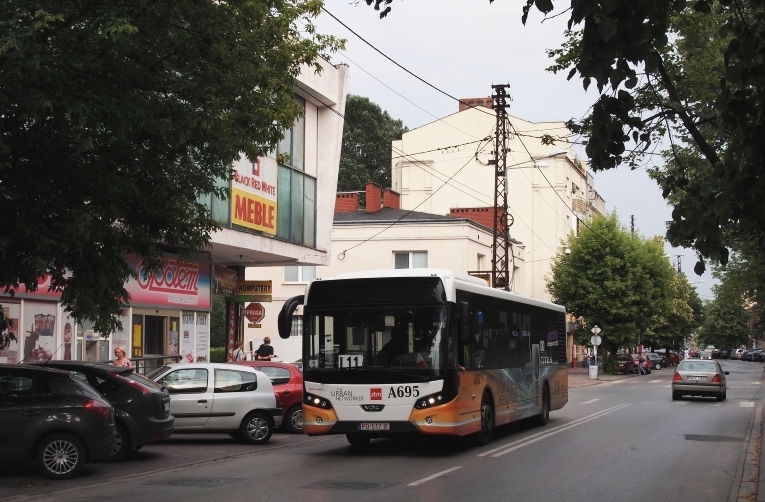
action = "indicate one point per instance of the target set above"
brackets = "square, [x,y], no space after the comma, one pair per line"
[425,350]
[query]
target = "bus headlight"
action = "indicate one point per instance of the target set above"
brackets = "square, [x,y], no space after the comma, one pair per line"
[316,401]
[429,401]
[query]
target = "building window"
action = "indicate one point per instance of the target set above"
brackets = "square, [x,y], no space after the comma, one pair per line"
[299,274]
[411,259]
[297,326]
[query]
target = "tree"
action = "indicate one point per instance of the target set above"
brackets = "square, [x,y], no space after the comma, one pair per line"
[218,324]
[117,118]
[366,152]
[613,279]
[684,316]
[689,72]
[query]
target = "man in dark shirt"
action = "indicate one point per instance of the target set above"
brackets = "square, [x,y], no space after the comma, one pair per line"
[265,352]
[398,345]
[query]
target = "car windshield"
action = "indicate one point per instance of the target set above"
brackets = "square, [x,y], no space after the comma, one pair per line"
[389,340]
[697,366]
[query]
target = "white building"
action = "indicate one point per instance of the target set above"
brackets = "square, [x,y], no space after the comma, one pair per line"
[545,202]
[381,236]
[278,214]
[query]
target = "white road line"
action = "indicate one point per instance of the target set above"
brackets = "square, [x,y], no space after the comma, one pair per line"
[546,432]
[718,404]
[618,381]
[434,476]
[569,426]
[590,401]
[667,386]
[654,381]
[755,383]
[746,404]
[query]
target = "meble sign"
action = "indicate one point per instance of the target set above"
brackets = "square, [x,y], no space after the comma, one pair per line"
[253,194]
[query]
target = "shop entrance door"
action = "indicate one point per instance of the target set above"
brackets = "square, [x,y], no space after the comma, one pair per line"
[154,340]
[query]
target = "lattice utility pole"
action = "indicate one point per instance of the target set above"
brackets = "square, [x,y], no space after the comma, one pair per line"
[500,263]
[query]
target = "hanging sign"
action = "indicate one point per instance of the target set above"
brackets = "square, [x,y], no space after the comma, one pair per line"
[253,194]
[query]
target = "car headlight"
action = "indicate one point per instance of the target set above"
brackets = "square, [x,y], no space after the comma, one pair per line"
[429,401]
[316,401]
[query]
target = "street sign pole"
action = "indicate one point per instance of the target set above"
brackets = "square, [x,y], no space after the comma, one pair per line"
[595,340]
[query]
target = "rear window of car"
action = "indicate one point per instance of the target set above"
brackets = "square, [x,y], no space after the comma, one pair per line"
[73,386]
[276,375]
[142,380]
[697,366]
[156,372]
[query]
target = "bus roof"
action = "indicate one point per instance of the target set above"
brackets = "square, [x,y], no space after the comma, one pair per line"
[450,279]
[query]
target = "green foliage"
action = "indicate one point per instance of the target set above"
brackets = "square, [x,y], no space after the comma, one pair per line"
[217,354]
[218,330]
[617,280]
[117,117]
[610,365]
[366,152]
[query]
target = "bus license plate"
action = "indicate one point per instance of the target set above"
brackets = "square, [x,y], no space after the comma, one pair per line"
[374,426]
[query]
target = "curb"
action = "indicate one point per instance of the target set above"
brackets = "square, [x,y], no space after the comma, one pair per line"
[750,475]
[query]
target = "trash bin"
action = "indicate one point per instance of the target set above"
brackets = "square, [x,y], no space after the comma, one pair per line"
[594,371]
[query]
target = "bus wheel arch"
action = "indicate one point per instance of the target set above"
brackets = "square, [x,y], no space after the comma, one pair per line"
[544,415]
[487,418]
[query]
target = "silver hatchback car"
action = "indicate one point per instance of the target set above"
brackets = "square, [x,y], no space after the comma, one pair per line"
[699,378]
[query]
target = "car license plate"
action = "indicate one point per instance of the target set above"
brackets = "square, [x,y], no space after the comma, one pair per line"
[374,426]
[695,379]
[167,406]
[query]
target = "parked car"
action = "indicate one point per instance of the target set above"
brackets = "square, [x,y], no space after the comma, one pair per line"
[699,378]
[657,360]
[671,357]
[724,354]
[287,379]
[705,354]
[141,406]
[745,355]
[218,397]
[626,364]
[757,355]
[715,353]
[646,363]
[53,419]
[736,354]
[694,353]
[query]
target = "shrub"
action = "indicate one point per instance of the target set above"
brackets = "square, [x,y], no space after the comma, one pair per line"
[217,354]
[610,366]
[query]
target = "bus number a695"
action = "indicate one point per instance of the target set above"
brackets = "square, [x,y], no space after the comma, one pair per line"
[404,391]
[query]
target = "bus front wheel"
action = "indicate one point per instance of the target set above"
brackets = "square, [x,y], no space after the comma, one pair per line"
[357,439]
[482,437]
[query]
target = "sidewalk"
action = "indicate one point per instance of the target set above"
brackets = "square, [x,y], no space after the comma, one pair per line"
[579,377]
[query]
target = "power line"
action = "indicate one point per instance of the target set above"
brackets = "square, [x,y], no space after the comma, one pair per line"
[400,66]
[441,148]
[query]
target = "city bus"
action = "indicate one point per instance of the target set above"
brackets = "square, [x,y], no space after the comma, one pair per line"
[425,351]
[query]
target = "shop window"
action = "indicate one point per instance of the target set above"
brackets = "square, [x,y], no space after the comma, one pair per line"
[299,274]
[296,216]
[410,259]
[292,147]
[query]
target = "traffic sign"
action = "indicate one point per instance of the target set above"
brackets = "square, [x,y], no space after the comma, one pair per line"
[595,330]
[595,340]
[255,312]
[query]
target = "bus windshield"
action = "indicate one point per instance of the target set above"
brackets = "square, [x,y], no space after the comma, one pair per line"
[376,342]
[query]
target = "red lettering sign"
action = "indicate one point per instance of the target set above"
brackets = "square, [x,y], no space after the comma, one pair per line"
[175,277]
[375,394]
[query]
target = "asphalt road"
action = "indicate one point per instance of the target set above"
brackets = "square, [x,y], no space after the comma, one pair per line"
[625,441]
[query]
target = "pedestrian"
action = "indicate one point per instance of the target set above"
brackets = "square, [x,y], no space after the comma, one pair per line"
[686,354]
[265,352]
[641,364]
[122,359]
[239,354]
[587,360]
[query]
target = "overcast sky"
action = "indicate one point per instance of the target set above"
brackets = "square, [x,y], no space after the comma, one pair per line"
[464,46]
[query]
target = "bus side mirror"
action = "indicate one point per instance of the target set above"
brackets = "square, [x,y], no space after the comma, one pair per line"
[285,315]
[464,321]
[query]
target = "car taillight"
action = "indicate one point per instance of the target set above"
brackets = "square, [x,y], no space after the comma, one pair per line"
[136,385]
[677,377]
[97,407]
[717,378]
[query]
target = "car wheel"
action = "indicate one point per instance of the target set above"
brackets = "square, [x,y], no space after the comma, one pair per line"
[294,419]
[675,396]
[357,440]
[121,444]
[725,394]
[256,428]
[482,437]
[658,366]
[719,397]
[60,456]
[544,417]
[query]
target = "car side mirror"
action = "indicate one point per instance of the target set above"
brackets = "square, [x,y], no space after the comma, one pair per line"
[464,321]
[726,372]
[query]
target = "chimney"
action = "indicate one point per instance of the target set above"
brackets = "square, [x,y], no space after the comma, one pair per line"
[472,102]
[391,199]
[374,197]
[481,215]
[346,202]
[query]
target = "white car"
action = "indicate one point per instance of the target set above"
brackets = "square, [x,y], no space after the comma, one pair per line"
[212,397]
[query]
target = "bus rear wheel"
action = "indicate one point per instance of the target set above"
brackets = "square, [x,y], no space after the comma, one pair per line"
[544,417]
[483,437]
[357,440]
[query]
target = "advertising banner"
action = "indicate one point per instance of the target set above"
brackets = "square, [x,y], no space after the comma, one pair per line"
[10,353]
[253,194]
[39,330]
[203,338]
[254,291]
[225,281]
[179,284]
[187,337]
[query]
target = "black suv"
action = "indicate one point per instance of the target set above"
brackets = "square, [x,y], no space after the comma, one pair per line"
[49,417]
[141,406]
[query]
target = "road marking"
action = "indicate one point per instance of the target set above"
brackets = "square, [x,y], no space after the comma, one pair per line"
[561,429]
[746,404]
[590,401]
[654,381]
[667,386]
[434,476]
[755,383]
[718,404]
[681,403]
[617,381]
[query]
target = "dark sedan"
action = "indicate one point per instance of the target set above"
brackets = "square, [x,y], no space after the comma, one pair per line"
[141,406]
[53,419]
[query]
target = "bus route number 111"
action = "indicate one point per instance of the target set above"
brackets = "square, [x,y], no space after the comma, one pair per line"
[351,361]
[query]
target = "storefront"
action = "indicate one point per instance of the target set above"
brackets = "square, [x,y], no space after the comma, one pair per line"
[169,314]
